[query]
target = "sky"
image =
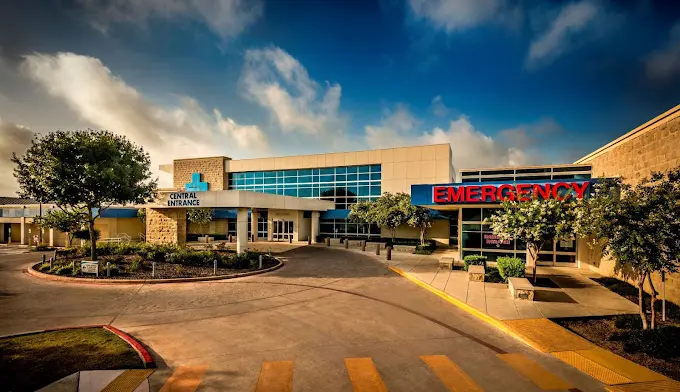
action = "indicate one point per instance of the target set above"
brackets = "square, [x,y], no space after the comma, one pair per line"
[505,82]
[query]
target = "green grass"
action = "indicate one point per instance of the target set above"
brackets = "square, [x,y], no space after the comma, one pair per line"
[33,361]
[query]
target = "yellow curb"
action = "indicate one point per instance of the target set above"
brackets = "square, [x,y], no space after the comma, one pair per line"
[66,279]
[467,308]
[650,386]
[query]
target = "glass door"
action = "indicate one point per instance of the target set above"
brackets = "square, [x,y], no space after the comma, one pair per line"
[282,230]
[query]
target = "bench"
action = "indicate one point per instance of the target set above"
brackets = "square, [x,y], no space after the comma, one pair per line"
[521,288]
[476,273]
[446,261]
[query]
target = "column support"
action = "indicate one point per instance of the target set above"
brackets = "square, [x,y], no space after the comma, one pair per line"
[314,230]
[270,226]
[241,230]
[23,230]
[254,215]
[51,237]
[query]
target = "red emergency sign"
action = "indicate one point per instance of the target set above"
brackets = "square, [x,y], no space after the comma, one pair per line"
[498,193]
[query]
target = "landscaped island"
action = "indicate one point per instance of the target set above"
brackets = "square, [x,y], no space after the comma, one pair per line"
[136,261]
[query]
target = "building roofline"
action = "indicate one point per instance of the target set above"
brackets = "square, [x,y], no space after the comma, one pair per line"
[524,167]
[191,159]
[661,119]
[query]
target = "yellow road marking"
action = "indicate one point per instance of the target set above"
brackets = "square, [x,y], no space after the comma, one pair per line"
[591,368]
[534,372]
[452,376]
[621,365]
[649,386]
[184,379]
[364,376]
[275,377]
[128,381]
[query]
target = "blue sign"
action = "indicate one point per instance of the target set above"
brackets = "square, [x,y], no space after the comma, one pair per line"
[196,185]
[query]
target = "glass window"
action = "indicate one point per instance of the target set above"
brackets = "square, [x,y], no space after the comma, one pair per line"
[472,240]
[270,174]
[290,192]
[375,176]
[363,169]
[545,256]
[565,258]
[352,177]
[270,180]
[492,241]
[375,168]
[487,212]
[305,192]
[364,176]
[340,170]
[315,192]
[326,178]
[340,177]
[493,256]
[304,172]
[290,180]
[327,170]
[304,179]
[352,170]
[364,191]
[471,227]
[472,214]
[290,173]
[326,227]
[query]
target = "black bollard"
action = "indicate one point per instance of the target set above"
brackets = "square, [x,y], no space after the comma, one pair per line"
[377,249]
[389,253]
[328,241]
[290,239]
[230,238]
[43,259]
[309,240]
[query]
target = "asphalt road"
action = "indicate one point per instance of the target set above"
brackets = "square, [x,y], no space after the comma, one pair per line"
[322,307]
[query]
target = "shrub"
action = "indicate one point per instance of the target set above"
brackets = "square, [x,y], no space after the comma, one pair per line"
[492,275]
[663,342]
[44,267]
[179,269]
[136,264]
[111,259]
[473,260]
[65,269]
[628,321]
[42,248]
[113,270]
[221,246]
[426,249]
[510,267]
[246,260]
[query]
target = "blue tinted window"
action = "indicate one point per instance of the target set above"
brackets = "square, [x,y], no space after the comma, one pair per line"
[375,176]
[270,180]
[305,192]
[340,170]
[327,170]
[271,174]
[375,191]
[290,173]
[326,178]
[250,181]
[290,192]
[365,176]
[304,172]
[315,172]
[341,177]
[375,168]
[352,170]
[290,180]
[352,177]
[303,179]
[364,191]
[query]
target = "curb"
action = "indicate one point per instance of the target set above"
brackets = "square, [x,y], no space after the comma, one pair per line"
[65,279]
[616,372]
[143,353]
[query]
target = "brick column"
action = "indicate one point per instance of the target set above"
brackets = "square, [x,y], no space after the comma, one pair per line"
[241,230]
[166,226]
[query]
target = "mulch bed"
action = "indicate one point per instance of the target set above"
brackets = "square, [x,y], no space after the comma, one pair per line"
[163,270]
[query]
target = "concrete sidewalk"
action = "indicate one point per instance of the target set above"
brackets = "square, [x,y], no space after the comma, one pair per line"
[576,296]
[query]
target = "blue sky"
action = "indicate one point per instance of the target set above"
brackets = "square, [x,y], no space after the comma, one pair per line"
[506,82]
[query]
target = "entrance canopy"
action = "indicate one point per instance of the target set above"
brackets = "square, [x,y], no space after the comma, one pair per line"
[238,199]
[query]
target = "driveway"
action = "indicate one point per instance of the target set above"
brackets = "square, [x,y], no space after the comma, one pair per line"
[323,307]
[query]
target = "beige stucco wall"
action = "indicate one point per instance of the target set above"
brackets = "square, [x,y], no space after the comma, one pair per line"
[401,167]
[654,146]
[288,215]
[439,231]
[166,225]
[211,169]
[110,226]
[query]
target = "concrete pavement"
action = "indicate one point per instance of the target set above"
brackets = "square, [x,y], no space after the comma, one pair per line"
[318,313]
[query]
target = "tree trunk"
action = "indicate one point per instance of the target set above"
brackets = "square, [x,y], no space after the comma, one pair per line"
[532,252]
[93,235]
[653,304]
[422,236]
[643,316]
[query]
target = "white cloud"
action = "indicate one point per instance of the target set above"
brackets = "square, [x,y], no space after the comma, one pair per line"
[438,107]
[278,82]
[665,62]
[470,147]
[14,138]
[457,15]
[572,23]
[227,18]
[105,101]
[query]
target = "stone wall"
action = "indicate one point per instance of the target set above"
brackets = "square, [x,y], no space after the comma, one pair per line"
[211,169]
[654,146]
[166,225]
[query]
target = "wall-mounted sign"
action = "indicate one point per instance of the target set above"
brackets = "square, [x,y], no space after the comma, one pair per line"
[196,185]
[474,193]
[183,199]
[493,239]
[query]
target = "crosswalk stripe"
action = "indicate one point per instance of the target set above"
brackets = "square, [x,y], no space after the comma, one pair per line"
[534,372]
[128,381]
[184,379]
[452,376]
[275,377]
[364,376]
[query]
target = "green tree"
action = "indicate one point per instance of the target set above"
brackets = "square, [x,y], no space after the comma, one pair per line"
[639,226]
[200,216]
[66,221]
[421,218]
[534,221]
[361,213]
[85,172]
[389,210]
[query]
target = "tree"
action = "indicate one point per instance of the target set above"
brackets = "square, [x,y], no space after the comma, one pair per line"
[535,221]
[84,173]
[66,221]
[389,210]
[421,218]
[639,226]
[200,216]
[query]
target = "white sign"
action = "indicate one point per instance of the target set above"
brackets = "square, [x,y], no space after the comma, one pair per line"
[566,243]
[89,267]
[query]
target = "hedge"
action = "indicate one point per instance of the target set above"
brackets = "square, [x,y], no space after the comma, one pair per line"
[510,267]
[473,260]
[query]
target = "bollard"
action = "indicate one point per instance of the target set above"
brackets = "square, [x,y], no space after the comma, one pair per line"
[377,249]
[51,261]
[363,245]
[215,267]
[309,240]
[252,238]
[346,243]
[73,268]
[328,241]
[260,261]
[108,269]
[270,252]
[389,253]
[231,238]
[153,269]
[290,239]
[43,259]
